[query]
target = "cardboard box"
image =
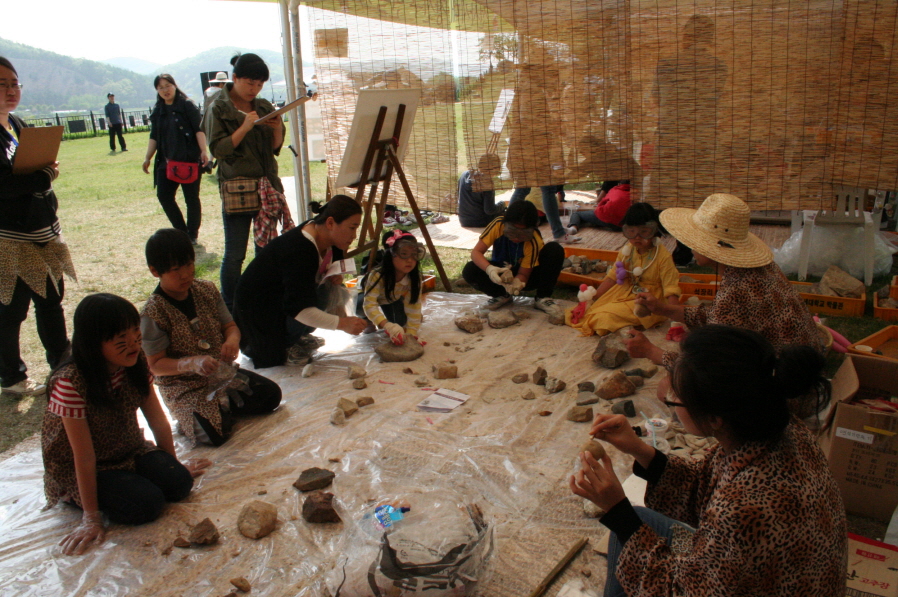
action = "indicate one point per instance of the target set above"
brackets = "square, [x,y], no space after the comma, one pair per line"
[822,304]
[861,444]
[872,568]
[592,279]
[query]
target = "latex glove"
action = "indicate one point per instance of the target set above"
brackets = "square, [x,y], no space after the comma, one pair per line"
[516,286]
[495,273]
[90,531]
[597,482]
[201,365]
[395,332]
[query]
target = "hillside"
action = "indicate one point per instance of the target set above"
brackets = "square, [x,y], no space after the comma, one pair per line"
[144,67]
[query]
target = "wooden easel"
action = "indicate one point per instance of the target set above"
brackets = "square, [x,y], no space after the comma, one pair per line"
[381,153]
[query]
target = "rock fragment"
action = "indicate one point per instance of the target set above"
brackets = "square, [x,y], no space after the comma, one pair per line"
[528,394]
[319,507]
[409,350]
[364,401]
[470,324]
[308,370]
[204,533]
[624,407]
[445,371]
[580,414]
[593,447]
[348,407]
[356,372]
[338,417]
[520,378]
[616,386]
[544,413]
[314,478]
[539,376]
[586,398]
[610,352]
[408,371]
[501,319]
[422,382]
[554,385]
[636,380]
[181,542]
[257,519]
[242,584]
[361,384]
[586,386]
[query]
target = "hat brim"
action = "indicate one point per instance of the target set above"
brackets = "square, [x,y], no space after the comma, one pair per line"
[750,252]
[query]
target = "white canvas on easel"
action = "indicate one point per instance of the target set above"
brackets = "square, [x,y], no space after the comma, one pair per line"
[363,123]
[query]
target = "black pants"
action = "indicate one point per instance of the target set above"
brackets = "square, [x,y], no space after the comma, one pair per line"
[542,278]
[50,320]
[116,129]
[394,312]
[165,192]
[138,497]
[263,396]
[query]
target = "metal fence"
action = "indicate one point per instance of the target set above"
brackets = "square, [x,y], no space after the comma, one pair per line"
[91,125]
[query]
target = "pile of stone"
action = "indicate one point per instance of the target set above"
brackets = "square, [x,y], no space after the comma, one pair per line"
[838,282]
[319,505]
[578,264]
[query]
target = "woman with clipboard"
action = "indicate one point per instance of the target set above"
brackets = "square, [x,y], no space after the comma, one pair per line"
[35,256]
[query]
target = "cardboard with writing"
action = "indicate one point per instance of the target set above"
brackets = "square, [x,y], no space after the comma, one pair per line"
[872,568]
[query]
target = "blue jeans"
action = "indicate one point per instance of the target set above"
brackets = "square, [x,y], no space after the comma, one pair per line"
[236,232]
[659,523]
[584,217]
[550,207]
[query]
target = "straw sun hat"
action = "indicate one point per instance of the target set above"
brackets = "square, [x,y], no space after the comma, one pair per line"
[718,229]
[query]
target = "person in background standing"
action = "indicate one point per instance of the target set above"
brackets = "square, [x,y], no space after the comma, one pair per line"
[115,119]
[215,86]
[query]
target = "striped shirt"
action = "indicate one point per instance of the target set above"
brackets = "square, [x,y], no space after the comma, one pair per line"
[65,400]
[375,296]
[524,254]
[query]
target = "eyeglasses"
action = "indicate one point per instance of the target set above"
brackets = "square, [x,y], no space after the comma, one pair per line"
[673,404]
[643,232]
[408,249]
[14,86]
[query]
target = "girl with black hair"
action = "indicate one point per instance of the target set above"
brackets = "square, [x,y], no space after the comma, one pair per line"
[393,288]
[181,144]
[282,296]
[642,265]
[95,454]
[760,515]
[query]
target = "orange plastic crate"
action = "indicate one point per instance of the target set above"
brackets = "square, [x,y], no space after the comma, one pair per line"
[429,283]
[831,305]
[884,312]
[885,341]
[593,279]
[706,287]
[893,289]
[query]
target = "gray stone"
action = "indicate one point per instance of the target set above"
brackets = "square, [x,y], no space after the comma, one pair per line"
[257,519]
[314,478]
[580,414]
[204,533]
[624,407]
[338,417]
[610,352]
[348,407]
[586,386]
[469,324]
[520,378]
[409,350]
[539,376]
[364,401]
[501,319]
[586,398]
[554,385]
[361,384]
[319,507]
[636,380]
[356,372]
[445,371]
[422,382]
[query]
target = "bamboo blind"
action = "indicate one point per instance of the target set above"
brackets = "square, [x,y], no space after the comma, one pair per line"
[771,100]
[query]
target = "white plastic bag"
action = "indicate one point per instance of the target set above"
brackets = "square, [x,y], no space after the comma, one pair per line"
[842,246]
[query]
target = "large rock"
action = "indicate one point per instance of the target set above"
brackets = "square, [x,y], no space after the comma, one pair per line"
[580,414]
[409,350]
[840,283]
[257,519]
[469,323]
[501,319]
[319,507]
[445,371]
[616,386]
[204,533]
[610,352]
[338,417]
[314,478]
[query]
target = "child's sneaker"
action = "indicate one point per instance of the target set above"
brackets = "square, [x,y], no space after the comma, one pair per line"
[26,387]
[498,302]
[568,239]
[549,306]
[439,219]
[388,221]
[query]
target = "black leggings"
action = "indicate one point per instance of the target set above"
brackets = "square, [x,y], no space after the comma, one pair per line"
[263,397]
[138,496]
[542,278]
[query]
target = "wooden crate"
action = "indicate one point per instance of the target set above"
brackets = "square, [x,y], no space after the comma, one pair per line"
[885,341]
[593,279]
[706,287]
[429,283]
[884,312]
[831,305]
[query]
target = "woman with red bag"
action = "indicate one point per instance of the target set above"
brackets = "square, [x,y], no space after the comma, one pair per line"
[181,144]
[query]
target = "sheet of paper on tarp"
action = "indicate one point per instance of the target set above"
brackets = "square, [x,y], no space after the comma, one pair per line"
[38,148]
[442,401]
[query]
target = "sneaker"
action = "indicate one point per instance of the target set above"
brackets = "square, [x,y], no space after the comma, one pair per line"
[439,219]
[549,306]
[26,387]
[310,340]
[299,354]
[568,239]
[498,302]
[388,221]
[124,150]
[570,230]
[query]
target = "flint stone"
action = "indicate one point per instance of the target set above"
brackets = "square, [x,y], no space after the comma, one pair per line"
[501,319]
[409,350]
[841,283]
[409,371]
[586,386]
[359,384]
[348,407]
[308,370]
[257,519]
[616,386]
[544,413]
[520,378]
[586,398]
[624,407]
[580,414]
[528,395]
[469,324]
[422,381]
[242,584]
[554,385]
[181,542]
[338,417]
[646,371]
[539,376]
[445,371]
[636,380]
[314,478]
[319,507]
[610,352]
[204,533]
[364,401]
[356,372]
[593,447]
[521,314]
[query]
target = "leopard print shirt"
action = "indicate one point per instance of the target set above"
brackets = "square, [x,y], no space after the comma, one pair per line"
[116,437]
[769,522]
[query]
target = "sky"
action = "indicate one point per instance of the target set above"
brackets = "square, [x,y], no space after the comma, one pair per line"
[160,31]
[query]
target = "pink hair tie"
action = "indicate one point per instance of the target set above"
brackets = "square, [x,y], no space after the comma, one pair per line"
[397,234]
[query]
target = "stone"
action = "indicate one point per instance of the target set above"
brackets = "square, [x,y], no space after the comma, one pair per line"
[356,372]
[586,386]
[204,533]
[883,292]
[319,507]
[502,318]
[314,478]
[348,407]
[688,280]
[361,384]
[257,519]
[610,352]
[544,413]
[593,447]
[364,401]
[646,371]
[422,382]
[470,324]
[556,317]
[409,350]
[693,301]
[242,584]
[624,407]
[181,542]
[636,380]
[338,417]
[580,414]
[616,386]
[841,283]
[586,398]
[586,572]
[308,370]
[539,376]
[521,314]
[888,303]
[528,395]
[445,371]
[408,371]
[520,378]
[554,385]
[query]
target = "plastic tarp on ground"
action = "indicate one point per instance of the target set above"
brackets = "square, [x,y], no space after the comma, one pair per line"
[495,451]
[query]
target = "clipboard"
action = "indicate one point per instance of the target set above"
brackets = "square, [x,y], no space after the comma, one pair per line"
[286,108]
[38,147]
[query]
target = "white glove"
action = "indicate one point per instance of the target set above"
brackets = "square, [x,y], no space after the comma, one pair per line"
[516,286]
[496,273]
[90,530]
[394,331]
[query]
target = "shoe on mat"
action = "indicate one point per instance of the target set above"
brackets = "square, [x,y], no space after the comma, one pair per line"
[570,230]
[439,219]
[549,306]
[498,302]
[26,387]
[568,239]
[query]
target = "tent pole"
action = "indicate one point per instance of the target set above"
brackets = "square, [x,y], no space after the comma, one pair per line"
[300,126]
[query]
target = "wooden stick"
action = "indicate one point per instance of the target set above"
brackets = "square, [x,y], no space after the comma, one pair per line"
[541,587]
